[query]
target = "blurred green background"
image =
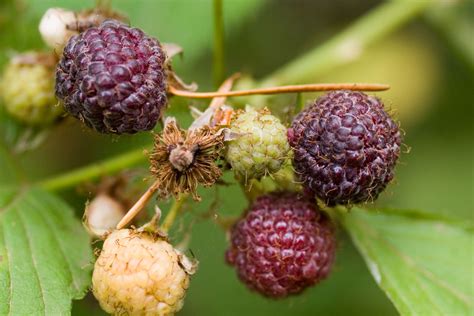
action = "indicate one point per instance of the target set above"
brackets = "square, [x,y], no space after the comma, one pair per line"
[428,63]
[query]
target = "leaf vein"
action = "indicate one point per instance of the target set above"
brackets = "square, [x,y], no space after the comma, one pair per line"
[33,259]
[10,287]
[368,251]
[62,250]
[13,200]
[413,264]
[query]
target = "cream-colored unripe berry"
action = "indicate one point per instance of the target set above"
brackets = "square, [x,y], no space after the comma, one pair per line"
[54,28]
[140,273]
[102,214]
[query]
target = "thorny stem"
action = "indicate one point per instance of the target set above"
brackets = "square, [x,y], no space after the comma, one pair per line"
[380,22]
[173,212]
[282,89]
[219,64]
[138,206]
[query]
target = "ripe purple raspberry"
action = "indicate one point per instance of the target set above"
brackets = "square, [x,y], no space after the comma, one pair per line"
[113,78]
[345,147]
[282,245]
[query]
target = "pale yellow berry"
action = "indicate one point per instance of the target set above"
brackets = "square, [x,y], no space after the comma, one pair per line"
[28,93]
[140,273]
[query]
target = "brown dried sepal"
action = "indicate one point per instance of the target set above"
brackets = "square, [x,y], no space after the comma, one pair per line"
[94,17]
[181,160]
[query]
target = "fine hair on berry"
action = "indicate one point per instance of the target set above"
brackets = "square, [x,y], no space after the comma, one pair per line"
[140,273]
[261,148]
[112,77]
[282,245]
[345,147]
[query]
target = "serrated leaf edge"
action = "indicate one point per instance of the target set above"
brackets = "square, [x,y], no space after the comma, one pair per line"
[368,254]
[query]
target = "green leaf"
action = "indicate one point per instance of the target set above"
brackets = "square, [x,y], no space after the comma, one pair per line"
[423,262]
[45,257]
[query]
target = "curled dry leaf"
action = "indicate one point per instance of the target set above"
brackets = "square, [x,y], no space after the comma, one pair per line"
[172,50]
[188,265]
[152,226]
[217,114]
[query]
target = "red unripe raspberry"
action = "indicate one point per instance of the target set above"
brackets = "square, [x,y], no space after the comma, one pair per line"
[282,245]
[345,147]
[113,78]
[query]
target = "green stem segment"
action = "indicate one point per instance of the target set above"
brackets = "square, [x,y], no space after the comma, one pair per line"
[349,44]
[173,212]
[341,49]
[94,171]
[219,68]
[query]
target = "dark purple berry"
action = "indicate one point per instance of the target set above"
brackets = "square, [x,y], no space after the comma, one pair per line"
[345,147]
[113,78]
[282,245]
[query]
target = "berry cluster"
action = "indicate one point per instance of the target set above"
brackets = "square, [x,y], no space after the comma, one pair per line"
[116,79]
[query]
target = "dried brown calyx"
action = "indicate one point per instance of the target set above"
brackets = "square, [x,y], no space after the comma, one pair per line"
[181,160]
[94,17]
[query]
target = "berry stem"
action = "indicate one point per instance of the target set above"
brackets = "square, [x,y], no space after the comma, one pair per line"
[94,171]
[300,103]
[138,206]
[173,212]
[380,22]
[178,203]
[104,5]
[281,89]
[219,64]
[349,44]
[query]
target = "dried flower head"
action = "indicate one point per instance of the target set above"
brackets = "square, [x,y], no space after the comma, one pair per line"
[183,159]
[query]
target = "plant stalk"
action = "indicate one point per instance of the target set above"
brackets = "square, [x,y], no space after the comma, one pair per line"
[173,212]
[349,44]
[94,170]
[281,89]
[138,206]
[378,23]
[219,54]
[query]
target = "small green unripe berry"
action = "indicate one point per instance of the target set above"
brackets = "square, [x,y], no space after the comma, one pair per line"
[28,93]
[261,147]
